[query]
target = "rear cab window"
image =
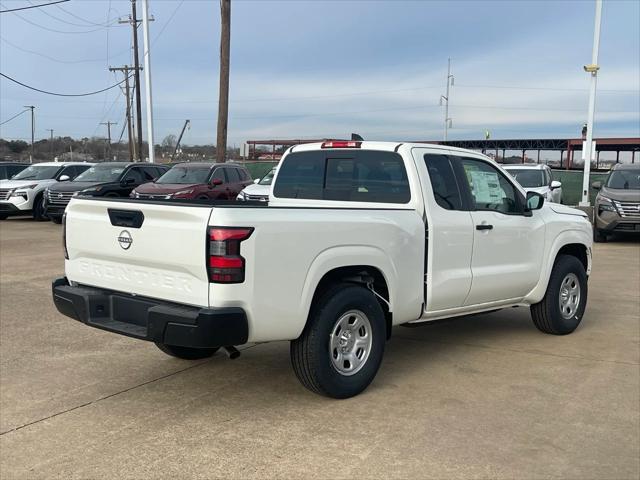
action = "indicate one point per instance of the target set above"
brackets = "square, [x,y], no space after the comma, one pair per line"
[370,176]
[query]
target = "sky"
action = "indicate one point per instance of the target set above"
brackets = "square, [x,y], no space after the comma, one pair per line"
[320,69]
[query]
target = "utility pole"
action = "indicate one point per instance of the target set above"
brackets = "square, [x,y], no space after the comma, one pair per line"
[133,20]
[50,130]
[33,130]
[223,99]
[108,124]
[146,55]
[447,120]
[126,69]
[593,70]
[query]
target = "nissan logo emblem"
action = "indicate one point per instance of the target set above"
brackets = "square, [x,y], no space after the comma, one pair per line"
[125,240]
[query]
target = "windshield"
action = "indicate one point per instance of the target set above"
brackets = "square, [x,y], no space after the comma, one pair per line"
[528,178]
[624,180]
[100,173]
[185,175]
[35,172]
[268,178]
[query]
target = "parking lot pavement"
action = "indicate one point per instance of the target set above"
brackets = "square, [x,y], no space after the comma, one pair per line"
[487,396]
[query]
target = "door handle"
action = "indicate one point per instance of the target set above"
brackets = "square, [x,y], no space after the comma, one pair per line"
[484,226]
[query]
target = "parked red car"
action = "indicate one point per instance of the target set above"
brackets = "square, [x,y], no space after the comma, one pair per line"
[197,181]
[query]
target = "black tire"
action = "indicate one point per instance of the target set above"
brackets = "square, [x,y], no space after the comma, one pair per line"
[546,314]
[598,235]
[111,195]
[187,353]
[3,216]
[38,209]
[56,220]
[310,353]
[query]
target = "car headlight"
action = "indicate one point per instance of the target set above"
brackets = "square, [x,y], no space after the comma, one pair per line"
[188,191]
[241,196]
[605,204]
[90,191]
[22,191]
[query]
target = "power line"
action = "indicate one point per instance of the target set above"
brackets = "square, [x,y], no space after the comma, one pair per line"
[59,94]
[33,6]
[58,31]
[173,14]
[559,89]
[71,23]
[15,116]
[84,19]
[58,60]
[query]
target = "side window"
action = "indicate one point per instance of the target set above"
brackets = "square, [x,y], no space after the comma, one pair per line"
[232,175]
[443,181]
[81,168]
[13,169]
[149,173]
[5,172]
[490,190]
[218,174]
[134,173]
[548,176]
[70,171]
[244,175]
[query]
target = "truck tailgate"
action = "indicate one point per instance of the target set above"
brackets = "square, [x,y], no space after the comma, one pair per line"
[153,250]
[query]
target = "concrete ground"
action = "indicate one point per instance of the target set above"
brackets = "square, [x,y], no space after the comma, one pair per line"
[482,397]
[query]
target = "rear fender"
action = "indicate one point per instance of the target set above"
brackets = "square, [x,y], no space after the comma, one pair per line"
[345,256]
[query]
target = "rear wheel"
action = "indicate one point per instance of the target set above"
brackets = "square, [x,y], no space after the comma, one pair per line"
[563,305]
[38,209]
[3,216]
[186,353]
[341,348]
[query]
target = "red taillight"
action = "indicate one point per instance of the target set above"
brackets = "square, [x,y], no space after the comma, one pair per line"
[341,144]
[224,260]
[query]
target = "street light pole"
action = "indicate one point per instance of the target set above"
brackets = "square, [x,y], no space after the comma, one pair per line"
[146,54]
[50,130]
[447,120]
[593,70]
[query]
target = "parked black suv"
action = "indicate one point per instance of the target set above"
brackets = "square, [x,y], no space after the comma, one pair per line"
[110,179]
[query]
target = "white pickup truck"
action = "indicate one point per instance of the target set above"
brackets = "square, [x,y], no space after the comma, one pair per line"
[356,237]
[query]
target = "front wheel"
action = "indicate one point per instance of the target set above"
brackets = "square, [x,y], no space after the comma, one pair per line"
[563,305]
[341,347]
[186,353]
[598,235]
[56,220]
[38,209]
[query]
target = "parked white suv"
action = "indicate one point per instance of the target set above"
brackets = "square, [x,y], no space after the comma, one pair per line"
[537,178]
[356,237]
[260,188]
[24,193]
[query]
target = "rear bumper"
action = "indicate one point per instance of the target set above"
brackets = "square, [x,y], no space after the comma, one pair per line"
[149,319]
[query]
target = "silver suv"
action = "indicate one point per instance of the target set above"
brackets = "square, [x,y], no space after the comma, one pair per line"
[617,206]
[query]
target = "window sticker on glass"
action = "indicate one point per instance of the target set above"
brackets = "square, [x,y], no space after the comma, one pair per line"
[486,187]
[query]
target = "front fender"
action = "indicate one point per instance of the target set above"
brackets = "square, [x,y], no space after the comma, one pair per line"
[566,237]
[346,256]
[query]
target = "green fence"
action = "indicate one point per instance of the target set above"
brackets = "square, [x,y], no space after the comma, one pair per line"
[259,169]
[572,185]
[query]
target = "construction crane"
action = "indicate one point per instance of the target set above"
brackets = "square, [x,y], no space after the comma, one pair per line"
[187,124]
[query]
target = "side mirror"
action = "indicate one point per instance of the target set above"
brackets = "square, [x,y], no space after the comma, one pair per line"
[257,180]
[597,185]
[555,184]
[216,181]
[64,178]
[534,201]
